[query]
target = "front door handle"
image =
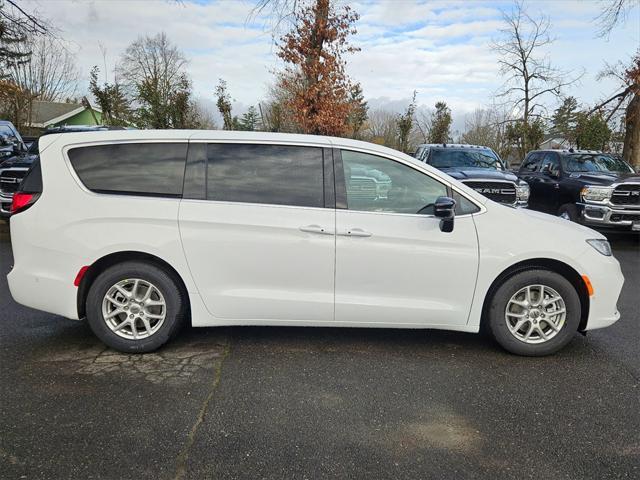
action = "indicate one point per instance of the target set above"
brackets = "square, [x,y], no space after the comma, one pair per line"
[356,232]
[315,229]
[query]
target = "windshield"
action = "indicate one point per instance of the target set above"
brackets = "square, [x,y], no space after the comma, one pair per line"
[5,130]
[442,158]
[589,162]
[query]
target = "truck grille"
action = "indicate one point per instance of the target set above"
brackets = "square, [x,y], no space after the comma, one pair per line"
[626,194]
[360,188]
[10,180]
[502,192]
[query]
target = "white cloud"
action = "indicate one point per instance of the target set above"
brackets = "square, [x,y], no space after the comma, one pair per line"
[440,48]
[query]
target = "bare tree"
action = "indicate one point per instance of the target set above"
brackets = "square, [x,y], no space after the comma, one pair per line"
[381,127]
[152,69]
[16,26]
[423,124]
[530,77]
[48,74]
[488,127]
[613,13]
[51,73]
[627,98]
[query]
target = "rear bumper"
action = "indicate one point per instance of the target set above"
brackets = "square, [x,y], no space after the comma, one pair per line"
[36,289]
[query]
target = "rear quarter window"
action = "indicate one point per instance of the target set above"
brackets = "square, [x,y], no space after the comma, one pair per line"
[155,169]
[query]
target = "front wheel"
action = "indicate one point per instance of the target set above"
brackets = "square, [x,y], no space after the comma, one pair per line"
[534,313]
[570,212]
[135,307]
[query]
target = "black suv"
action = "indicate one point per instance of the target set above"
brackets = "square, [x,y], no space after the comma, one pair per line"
[593,188]
[479,168]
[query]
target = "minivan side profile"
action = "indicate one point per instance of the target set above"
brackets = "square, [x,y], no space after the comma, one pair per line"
[244,228]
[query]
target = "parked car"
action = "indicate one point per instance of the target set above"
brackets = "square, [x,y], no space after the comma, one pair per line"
[479,168]
[15,166]
[589,187]
[14,163]
[247,228]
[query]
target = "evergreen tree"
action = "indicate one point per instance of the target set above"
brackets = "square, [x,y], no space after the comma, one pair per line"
[440,124]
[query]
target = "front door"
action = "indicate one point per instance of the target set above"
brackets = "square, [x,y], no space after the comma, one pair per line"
[261,245]
[393,265]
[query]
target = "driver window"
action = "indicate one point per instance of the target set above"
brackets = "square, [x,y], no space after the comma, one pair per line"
[377,184]
[551,164]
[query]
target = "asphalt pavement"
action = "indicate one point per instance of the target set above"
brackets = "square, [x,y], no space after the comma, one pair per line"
[281,403]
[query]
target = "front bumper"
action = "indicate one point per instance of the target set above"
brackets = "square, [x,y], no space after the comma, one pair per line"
[604,216]
[607,280]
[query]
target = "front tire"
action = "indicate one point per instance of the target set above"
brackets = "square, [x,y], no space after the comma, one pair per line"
[135,307]
[534,313]
[569,211]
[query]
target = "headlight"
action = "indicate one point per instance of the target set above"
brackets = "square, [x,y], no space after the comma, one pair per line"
[522,192]
[602,246]
[596,194]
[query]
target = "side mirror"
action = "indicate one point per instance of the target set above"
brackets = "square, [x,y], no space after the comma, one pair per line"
[445,210]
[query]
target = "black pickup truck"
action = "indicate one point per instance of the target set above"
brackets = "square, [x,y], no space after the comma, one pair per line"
[479,168]
[593,188]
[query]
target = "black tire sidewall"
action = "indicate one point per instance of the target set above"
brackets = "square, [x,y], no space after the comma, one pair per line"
[497,322]
[164,281]
[572,210]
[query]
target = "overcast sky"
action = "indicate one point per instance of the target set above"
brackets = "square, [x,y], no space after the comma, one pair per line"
[441,49]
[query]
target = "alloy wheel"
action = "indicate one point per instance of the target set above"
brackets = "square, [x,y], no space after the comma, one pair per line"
[134,309]
[535,314]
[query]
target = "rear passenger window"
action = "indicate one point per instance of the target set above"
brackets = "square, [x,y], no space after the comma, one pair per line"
[132,168]
[270,174]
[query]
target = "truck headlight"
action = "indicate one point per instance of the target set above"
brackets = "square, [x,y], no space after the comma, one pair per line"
[596,194]
[602,246]
[522,192]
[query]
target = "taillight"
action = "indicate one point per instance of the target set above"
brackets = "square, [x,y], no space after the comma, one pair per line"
[22,200]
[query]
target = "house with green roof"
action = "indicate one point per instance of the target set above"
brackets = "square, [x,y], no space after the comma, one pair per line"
[58,114]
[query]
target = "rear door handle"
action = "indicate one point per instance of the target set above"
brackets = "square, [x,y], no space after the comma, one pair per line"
[356,232]
[315,229]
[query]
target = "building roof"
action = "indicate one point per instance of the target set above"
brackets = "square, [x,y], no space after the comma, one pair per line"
[49,113]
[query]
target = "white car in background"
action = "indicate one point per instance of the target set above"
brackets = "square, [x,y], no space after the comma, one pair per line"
[142,231]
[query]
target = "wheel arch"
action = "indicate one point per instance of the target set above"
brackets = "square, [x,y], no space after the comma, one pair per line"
[557,266]
[114,258]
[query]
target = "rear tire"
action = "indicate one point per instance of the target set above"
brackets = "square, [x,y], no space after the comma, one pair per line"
[135,306]
[534,313]
[569,211]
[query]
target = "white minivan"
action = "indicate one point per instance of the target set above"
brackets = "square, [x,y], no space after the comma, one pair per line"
[142,231]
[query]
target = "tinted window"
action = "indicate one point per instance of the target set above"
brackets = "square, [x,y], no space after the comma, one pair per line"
[377,184]
[132,168]
[531,163]
[32,182]
[272,174]
[551,164]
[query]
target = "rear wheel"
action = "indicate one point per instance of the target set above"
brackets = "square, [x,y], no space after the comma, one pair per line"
[135,306]
[534,313]
[570,212]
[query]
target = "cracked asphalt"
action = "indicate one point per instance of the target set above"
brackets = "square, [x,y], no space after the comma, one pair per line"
[276,403]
